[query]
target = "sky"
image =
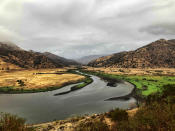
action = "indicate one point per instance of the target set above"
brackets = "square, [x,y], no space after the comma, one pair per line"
[76,28]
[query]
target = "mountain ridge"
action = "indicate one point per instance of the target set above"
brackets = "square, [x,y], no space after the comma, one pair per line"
[11,54]
[58,59]
[160,53]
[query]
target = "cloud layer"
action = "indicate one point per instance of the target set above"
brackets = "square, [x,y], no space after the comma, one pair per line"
[75,28]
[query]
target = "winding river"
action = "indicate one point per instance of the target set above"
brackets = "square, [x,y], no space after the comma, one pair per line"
[44,106]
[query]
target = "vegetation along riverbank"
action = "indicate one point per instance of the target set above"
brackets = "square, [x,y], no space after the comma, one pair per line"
[145,84]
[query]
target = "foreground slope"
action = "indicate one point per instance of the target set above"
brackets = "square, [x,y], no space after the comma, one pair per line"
[160,53]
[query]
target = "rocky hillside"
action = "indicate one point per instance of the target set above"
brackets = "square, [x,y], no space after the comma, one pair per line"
[58,59]
[160,53]
[12,57]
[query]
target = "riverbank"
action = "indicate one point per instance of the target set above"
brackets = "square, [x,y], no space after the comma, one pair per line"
[73,123]
[41,80]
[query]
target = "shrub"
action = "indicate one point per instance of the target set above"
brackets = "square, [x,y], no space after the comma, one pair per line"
[92,126]
[118,115]
[152,98]
[160,71]
[168,90]
[12,123]
[158,114]
[21,83]
[120,70]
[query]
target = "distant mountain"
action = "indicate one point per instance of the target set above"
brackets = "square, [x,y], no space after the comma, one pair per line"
[12,56]
[58,59]
[86,59]
[160,53]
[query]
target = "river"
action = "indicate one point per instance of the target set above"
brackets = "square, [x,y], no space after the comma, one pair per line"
[45,107]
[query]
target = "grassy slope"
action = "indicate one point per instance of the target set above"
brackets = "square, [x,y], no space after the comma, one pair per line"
[151,82]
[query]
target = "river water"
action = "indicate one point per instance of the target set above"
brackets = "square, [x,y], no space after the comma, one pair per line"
[45,107]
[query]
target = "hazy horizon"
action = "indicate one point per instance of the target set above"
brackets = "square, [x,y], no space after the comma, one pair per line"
[77,28]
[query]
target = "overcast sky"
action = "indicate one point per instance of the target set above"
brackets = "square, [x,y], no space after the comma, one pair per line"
[75,28]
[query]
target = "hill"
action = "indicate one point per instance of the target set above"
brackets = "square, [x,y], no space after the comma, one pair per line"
[13,57]
[58,59]
[160,53]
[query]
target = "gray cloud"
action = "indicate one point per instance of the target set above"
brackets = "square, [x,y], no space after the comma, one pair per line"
[160,29]
[74,28]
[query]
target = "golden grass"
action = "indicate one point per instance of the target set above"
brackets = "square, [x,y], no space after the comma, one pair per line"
[33,80]
[136,71]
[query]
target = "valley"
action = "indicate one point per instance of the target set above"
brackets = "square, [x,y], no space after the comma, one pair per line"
[55,93]
[87,65]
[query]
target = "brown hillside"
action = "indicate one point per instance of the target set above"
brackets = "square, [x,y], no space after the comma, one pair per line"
[25,59]
[160,53]
[16,57]
[7,66]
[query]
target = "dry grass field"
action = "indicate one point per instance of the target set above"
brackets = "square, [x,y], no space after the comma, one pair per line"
[30,79]
[136,71]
